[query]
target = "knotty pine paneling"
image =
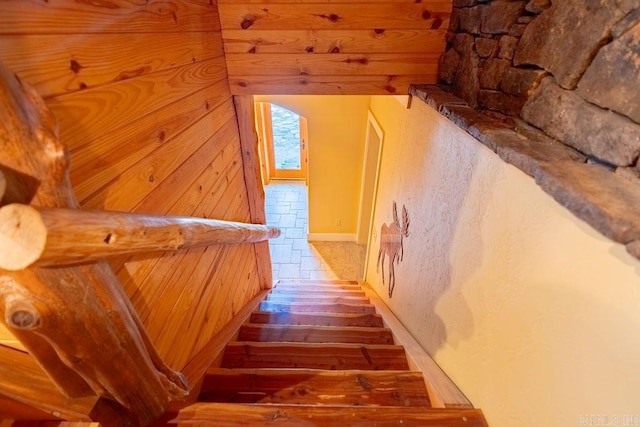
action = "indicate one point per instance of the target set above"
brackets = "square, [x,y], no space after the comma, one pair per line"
[135,183]
[204,197]
[339,64]
[62,63]
[123,147]
[354,15]
[141,95]
[326,41]
[332,47]
[74,17]
[86,114]
[326,85]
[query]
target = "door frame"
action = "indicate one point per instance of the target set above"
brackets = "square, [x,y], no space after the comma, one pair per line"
[260,125]
[365,218]
[265,129]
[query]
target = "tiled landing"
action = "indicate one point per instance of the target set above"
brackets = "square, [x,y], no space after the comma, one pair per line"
[291,255]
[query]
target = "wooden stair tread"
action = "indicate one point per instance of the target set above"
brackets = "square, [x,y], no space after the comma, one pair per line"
[297,297]
[306,386]
[317,319]
[314,334]
[318,292]
[232,414]
[306,287]
[314,356]
[317,282]
[305,307]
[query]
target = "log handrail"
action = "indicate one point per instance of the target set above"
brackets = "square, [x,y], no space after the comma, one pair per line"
[33,236]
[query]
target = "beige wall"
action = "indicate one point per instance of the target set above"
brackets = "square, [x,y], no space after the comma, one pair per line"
[530,311]
[337,126]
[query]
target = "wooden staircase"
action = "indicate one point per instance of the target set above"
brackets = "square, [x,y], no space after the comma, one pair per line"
[316,353]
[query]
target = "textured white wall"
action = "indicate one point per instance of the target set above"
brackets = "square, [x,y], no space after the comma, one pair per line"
[531,312]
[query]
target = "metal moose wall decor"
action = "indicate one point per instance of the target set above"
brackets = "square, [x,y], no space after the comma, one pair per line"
[391,244]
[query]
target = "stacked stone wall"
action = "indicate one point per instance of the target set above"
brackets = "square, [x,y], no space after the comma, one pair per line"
[569,67]
[553,87]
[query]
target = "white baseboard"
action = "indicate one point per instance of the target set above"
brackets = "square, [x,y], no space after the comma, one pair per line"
[331,237]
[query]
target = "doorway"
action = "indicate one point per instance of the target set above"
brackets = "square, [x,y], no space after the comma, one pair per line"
[283,135]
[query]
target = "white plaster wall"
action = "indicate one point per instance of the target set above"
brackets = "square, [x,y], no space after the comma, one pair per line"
[531,312]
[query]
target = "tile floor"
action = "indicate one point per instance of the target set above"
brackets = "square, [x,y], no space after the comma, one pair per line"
[291,255]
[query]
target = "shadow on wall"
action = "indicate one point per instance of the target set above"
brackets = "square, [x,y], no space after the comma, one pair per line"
[437,279]
[465,200]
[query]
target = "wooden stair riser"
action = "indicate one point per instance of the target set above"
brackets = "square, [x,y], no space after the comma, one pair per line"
[317,282]
[314,334]
[301,307]
[317,319]
[297,298]
[318,293]
[312,387]
[320,288]
[314,356]
[229,414]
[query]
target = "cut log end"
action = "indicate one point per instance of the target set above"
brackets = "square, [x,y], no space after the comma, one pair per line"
[274,232]
[20,314]
[23,236]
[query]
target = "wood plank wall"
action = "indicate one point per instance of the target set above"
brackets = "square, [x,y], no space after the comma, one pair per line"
[141,96]
[353,47]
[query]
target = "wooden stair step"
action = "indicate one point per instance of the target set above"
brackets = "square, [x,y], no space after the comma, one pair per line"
[313,387]
[232,414]
[317,319]
[316,282]
[314,334]
[297,297]
[307,292]
[309,287]
[314,356]
[303,307]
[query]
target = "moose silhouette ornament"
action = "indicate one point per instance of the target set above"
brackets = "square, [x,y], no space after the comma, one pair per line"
[391,237]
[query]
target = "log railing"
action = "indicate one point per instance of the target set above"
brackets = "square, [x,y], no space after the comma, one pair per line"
[55,236]
[64,304]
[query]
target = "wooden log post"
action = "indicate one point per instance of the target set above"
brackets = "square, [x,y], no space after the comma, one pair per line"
[79,318]
[74,322]
[57,236]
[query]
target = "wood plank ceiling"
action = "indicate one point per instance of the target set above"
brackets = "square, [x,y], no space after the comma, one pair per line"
[353,47]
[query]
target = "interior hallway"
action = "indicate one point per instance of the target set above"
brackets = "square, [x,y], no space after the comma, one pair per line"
[292,256]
